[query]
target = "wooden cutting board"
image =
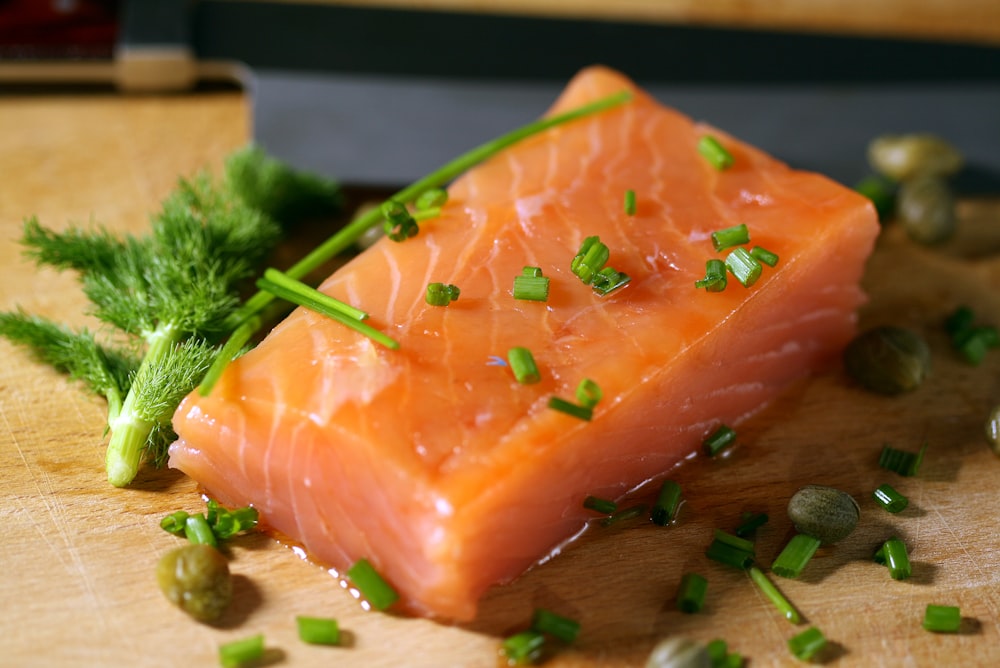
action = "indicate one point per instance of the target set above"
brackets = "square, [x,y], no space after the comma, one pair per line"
[78,556]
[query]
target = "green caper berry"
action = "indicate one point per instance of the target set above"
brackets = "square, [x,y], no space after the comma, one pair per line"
[925,207]
[196,578]
[903,157]
[825,513]
[678,653]
[993,430]
[888,359]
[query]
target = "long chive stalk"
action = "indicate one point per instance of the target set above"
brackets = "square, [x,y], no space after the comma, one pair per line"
[774,595]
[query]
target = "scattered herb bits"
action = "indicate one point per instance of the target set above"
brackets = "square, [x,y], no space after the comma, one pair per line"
[715,153]
[889,499]
[743,266]
[942,618]
[715,276]
[719,440]
[597,504]
[667,501]
[725,551]
[623,514]
[524,648]
[730,236]
[750,523]
[441,294]
[431,198]
[569,408]
[531,285]
[555,625]
[398,224]
[318,630]
[774,595]
[691,592]
[588,393]
[888,359]
[882,194]
[903,462]
[522,364]
[795,555]
[589,267]
[629,202]
[243,652]
[807,645]
[764,256]
[970,340]
[896,559]
[825,513]
[379,593]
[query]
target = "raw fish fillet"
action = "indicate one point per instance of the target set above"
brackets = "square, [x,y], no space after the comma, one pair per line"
[438,467]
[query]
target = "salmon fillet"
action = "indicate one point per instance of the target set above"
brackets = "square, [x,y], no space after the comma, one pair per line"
[431,461]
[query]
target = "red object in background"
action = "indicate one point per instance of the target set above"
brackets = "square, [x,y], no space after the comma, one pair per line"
[46,29]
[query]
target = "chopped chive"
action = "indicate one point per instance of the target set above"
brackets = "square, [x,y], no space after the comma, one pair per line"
[794,557]
[975,343]
[318,630]
[441,294]
[719,440]
[242,652]
[528,270]
[522,363]
[691,593]
[751,522]
[959,321]
[879,556]
[901,461]
[666,504]
[774,595]
[590,259]
[524,648]
[715,276]
[716,154]
[764,255]
[174,523]
[588,393]
[309,298]
[624,514]
[881,193]
[230,349]
[398,223]
[557,626]
[431,198]
[808,644]
[531,288]
[735,541]
[897,559]
[717,650]
[372,586]
[889,498]
[608,280]
[227,523]
[729,555]
[600,505]
[197,530]
[942,618]
[743,266]
[629,202]
[563,406]
[730,236]
[426,214]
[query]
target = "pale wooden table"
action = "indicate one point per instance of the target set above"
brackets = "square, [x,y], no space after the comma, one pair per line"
[78,556]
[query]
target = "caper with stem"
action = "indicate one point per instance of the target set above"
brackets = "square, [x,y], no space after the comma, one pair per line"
[825,513]
[888,359]
[196,578]
[925,207]
[904,157]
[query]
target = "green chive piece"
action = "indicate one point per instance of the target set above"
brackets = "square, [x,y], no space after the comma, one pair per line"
[557,626]
[600,505]
[399,225]
[309,298]
[691,593]
[901,461]
[942,618]
[533,272]
[717,650]
[197,530]
[881,192]
[729,555]
[531,288]
[751,522]
[970,340]
[774,595]
[524,648]
[588,393]
[590,259]
[229,351]
[715,153]
[563,406]
[763,255]
[730,236]
[629,202]
[522,363]
[227,523]
[431,198]
[715,276]
[743,266]
[889,498]
[794,557]
[806,645]
[719,440]
[421,215]
[897,559]
[372,586]
[879,556]
[735,541]
[608,280]
[318,630]
[667,502]
[174,523]
[624,514]
[441,294]
[242,652]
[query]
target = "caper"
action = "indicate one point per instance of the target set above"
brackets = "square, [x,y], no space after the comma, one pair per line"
[678,653]
[925,207]
[196,579]
[993,429]
[903,157]
[825,513]
[888,359]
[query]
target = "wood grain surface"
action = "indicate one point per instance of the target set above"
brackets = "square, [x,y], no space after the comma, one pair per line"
[78,556]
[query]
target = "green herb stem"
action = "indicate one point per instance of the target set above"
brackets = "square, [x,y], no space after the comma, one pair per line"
[236,342]
[774,595]
[198,531]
